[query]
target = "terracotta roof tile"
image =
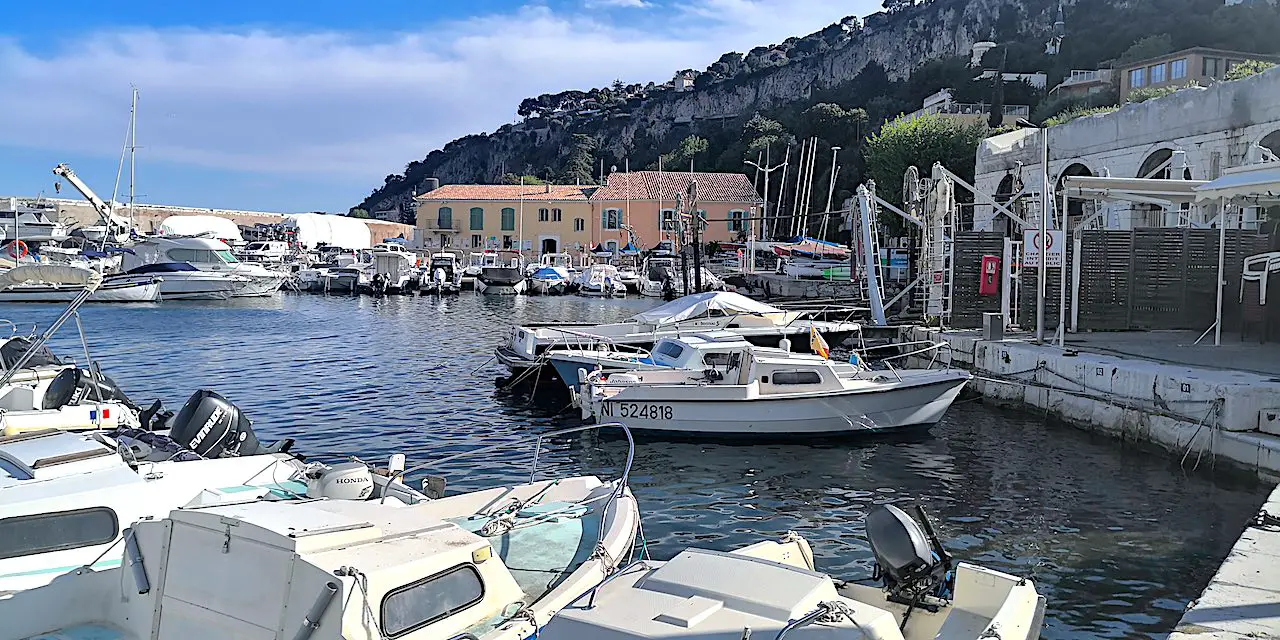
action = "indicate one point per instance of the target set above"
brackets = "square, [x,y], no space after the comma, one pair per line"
[508,192]
[663,185]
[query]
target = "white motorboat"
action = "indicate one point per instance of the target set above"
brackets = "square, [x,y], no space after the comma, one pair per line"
[661,277]
[205,254]
[34,221]
[734,388]
[443,274]
[772,589]
[504,277]
[550,281]
[65,283]
[629,276]
[601,280]
[181,281]
[494,564]
[757,322]
[394,269]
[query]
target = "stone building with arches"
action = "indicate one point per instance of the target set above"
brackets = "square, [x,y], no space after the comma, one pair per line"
[1192,134]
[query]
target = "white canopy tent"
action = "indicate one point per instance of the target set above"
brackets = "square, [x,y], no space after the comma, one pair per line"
[220,228]
[313,229]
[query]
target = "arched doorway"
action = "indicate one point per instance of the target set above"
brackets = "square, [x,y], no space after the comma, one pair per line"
[1001,222]
[550,245]
[1158,165]
[1076,208]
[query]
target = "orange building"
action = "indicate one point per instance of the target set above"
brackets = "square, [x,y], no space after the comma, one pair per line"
[645,202]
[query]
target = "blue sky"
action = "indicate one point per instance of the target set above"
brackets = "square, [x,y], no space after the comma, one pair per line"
[299,106]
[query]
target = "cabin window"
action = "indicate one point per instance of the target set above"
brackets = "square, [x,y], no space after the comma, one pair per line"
[508,219]
[556,215]
[59,531]
[670,350]
[579,224]
[203,256]
[544,215]
[717,359]
[477,219]
[414,606]
[804,376]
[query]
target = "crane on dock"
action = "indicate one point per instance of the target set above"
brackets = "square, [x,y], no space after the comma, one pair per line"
[115,227]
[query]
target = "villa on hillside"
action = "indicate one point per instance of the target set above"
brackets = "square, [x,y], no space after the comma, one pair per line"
[557,218]
[1199,65]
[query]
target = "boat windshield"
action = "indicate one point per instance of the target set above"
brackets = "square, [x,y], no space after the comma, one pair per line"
[227,257]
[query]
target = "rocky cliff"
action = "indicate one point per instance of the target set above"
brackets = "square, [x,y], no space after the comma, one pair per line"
[897,42]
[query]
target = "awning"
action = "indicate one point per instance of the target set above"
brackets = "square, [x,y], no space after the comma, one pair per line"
[1108,188]
[630,250]
[1261,181]
[697,304]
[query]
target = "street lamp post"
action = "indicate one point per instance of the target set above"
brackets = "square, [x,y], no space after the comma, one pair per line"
[764,215]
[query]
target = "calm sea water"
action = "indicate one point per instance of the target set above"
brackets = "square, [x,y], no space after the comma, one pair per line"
[1118,538]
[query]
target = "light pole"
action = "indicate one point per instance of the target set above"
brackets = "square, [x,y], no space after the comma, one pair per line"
[764,215]
[1043,235]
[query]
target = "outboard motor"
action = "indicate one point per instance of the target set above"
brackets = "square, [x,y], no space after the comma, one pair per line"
[345,481]
[211,426]
[77,386]
[911,562]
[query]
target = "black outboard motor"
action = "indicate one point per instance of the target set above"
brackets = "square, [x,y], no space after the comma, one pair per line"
[78,386]
[211,426]
[911,562]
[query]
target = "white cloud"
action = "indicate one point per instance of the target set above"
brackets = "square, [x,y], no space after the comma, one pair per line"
[339,104]
[617,4]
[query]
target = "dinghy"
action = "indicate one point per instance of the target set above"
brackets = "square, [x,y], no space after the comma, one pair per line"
[728,387]
[714,311]
[495,564]
[773,590]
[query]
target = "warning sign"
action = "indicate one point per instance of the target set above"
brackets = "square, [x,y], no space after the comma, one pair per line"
[1031,248]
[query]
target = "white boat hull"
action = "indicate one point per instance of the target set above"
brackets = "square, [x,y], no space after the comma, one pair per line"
[669,408]
[258,286]
[196,285]
[108,292]
[501,289]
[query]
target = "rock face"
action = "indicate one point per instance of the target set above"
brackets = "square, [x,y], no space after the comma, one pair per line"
[897,42]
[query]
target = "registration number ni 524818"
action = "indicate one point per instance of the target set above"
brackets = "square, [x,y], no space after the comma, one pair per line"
[645,410]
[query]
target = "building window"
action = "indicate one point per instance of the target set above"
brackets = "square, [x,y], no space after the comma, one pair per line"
[1212,67]
[736,221]
[1157,73]
[668,220]
[508,219]
[1178,69]
[421,603]
[444,218]
[611,246]
[579,224]
[506,242]
[609,219]
[1137,77]
[556,215]
[477,219]
[476,241]
[543,215]
[1231,64]
[61,531]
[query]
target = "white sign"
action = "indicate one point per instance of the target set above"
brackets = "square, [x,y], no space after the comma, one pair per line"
[1031,248]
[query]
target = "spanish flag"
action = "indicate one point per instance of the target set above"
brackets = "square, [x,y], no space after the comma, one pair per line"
[817,344]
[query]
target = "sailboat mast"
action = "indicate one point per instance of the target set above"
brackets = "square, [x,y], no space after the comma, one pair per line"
[133,147]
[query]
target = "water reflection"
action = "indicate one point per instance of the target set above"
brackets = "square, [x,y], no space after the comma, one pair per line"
[1118,538]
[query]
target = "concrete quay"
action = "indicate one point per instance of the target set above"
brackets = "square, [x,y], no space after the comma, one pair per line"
[1243,599]
[1198,413]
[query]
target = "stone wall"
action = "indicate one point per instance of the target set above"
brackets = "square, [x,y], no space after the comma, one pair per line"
[1214,126]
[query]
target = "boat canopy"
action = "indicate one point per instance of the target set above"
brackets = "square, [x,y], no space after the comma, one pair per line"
[50,274]
[220,228]
[313,229]
[629,250]
[697,304]
[551,273]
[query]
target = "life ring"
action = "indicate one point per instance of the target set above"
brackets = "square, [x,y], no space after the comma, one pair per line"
[22,251]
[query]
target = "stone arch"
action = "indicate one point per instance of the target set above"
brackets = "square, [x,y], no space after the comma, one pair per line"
[1075,207]
[1151,164]
[1271,141]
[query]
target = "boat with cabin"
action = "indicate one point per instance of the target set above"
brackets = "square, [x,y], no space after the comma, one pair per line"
[443,274]
[774,589]
[757,322]
[601,280]
[493,564]
[725,386]
[205,254]
[394,270]
[505,276]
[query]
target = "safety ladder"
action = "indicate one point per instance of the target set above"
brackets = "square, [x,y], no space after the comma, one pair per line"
[1011,287]
[874,223]
[937,251]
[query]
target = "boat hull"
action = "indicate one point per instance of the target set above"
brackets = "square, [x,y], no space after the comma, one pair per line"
[195,285]
[109,292]
[258,286]
[501,288]
[846,414]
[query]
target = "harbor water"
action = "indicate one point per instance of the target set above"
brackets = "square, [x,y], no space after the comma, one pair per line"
[1118,538]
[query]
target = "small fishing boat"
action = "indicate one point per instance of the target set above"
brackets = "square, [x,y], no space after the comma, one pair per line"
[601,280]
[64,283]
[394,270]
[443,275]
[773,589]
[662,278]
[549,281]
[733,388]
[494,564]
[503,277]
[757,322]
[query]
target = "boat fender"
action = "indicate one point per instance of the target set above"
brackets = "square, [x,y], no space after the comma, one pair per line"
[582,375]
[785,344]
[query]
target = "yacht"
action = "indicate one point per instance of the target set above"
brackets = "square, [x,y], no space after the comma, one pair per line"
[182,281]
[34,221]
[773,589]
[723,385]
[494,564]
[757,322]
[394,269]
[443,274]
[205,254]
[505,276]
[601,280]
[661,277]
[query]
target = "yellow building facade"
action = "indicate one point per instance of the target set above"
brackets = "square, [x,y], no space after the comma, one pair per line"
[532,218]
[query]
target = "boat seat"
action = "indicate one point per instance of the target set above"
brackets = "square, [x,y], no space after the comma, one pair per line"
[85,632]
